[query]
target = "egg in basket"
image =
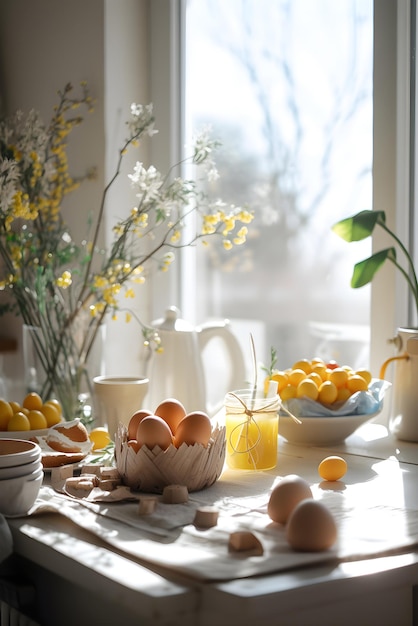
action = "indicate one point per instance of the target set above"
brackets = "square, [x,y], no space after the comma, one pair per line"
[169,446]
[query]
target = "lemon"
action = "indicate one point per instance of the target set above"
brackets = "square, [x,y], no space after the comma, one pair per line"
[100,438]
[281,379]
[32,401]
[37,420]
[296,376]
[288,392]
[307,389]
[303,364]
[321,370]
[56,403]
[6,412]
[357,383]
[18,421]
[343,394]
[51,414]
[316,378]
[338,376]
[15,406]
[332,468]
[327,392]
[365,374]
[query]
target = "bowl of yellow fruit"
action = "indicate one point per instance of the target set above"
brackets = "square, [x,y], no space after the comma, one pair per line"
[28,419]
[329,401]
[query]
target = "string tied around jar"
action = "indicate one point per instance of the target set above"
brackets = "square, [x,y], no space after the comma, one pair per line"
[249,444]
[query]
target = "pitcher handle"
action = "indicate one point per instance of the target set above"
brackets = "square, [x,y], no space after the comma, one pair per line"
[220,329]
[386,363]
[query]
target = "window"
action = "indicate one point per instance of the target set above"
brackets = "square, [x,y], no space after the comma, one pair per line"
[288,88]
[391,20]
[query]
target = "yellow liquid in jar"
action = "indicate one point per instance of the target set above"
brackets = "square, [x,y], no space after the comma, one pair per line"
[251,444]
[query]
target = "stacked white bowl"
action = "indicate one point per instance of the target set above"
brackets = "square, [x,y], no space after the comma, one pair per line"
[21,475]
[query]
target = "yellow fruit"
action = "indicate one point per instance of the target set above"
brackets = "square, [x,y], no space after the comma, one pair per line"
[327,392]
[339,377]
[303,364]
[100,438]
[57,404]
[18,421]
[321,370]
[343,394]
[357,383]
[307,389]
[51,414]
[15,407]
[316,378]
[295,376]
[332,468]
[281,379]
[288,392]
[32,401]
[6,412]
[365,374]
[37,420]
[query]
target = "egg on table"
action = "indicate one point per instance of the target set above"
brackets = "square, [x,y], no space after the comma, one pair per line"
[285,496]
[311,527]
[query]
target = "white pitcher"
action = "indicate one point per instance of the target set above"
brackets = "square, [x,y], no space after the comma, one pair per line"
[179,371]
[403,421]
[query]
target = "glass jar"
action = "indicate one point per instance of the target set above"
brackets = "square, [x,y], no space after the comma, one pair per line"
[252,428]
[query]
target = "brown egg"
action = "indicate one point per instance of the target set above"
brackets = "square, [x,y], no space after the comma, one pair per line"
[137,417]
[285,496]
[132,443]
[154,431]
[172,411]
[194,428]
[311,527]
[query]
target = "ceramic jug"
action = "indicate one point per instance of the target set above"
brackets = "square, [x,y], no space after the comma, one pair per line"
[180,371]
[403,421]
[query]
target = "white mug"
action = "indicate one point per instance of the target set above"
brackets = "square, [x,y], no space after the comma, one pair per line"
[117,398]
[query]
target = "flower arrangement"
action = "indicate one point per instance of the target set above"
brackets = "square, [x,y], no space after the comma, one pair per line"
[361,226]
[64,288]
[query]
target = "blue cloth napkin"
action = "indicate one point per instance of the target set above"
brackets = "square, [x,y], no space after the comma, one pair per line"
[360,403]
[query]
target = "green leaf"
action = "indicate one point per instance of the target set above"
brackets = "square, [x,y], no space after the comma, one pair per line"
[364,271]
[359,226]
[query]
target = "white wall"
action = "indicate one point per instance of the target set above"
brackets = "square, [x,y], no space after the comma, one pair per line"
[43,45]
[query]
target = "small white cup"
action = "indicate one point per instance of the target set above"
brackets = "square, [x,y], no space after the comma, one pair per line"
[117,399]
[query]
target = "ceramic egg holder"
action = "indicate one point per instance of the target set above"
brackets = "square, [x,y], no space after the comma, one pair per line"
[194,466]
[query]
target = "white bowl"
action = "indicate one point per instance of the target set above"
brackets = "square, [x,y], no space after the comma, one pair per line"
[17,495]
[18,452]
[321,431]
[23,434]
[20,470]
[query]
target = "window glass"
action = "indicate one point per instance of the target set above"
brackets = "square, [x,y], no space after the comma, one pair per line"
[287,88]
